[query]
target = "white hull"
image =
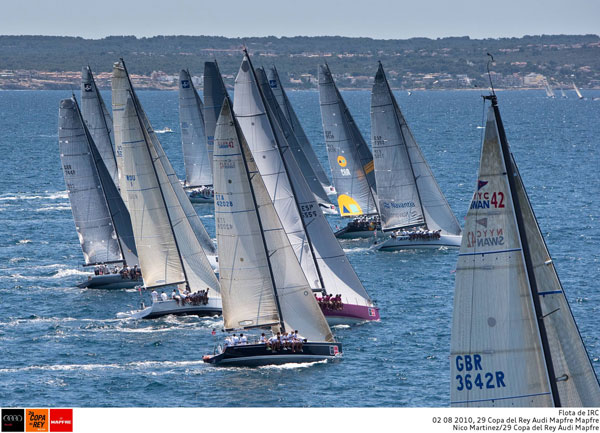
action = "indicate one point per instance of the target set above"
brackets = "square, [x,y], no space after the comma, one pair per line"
[170,306]
[403,243]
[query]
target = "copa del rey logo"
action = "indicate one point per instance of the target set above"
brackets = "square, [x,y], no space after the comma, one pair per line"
[61,420]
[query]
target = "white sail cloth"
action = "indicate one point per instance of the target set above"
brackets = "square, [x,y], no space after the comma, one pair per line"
[407,191]
[262,282]
[350,159]
[198,171]
[214,92]
[169,251]
[98,121]
[497,356]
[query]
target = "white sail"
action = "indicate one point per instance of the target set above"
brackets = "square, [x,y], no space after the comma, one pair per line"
[93,221]
[121,89]
[198,171]
[497,348]
[262,281]
[307,160]
[250,112]
[548,89]
[214,93]
[579,95]
[169,251]
[335,271]
[98,121]
[407,191]
[350,159]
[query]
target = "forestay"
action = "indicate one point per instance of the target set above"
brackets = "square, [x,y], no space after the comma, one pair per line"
[251,114]
[407,191]
[262,281]
[335,271]
[121,89]
[497,348]
[198,171]
[214,95]
[169,250]
[349,156]
[98,121]
[102,223]
[304,153]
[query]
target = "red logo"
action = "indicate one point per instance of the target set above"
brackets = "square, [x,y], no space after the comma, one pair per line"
[61,420]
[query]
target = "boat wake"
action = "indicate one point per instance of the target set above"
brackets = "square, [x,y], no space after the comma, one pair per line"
[292,366]
[158,366]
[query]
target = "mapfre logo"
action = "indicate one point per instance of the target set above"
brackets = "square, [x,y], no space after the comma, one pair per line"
[13,420]
[61,420]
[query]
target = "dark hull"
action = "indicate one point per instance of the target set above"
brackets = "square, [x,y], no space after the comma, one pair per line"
[256,355]
[351,232]
[109,282]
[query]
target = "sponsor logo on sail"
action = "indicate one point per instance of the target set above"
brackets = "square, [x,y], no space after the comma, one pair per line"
[341,161]
[481,183]
[273,84]
[87,87]
[61,420]
[13,420]
[185,84]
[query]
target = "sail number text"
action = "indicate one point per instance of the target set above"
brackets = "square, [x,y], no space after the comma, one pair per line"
[68,169]
[485,200]
[472,374]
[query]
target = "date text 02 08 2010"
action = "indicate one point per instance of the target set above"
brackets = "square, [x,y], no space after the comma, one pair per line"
[472,374]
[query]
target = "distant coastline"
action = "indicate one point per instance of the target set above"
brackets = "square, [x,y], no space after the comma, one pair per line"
[50,62]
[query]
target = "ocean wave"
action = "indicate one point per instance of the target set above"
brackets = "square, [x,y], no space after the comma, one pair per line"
[55,195]
[292,365]
[138,365]
[52,208]
[24,241]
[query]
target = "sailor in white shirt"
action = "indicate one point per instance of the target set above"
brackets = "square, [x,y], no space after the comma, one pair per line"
[235,340]
[154,296]
[263,339]
[163,296]
[243,339]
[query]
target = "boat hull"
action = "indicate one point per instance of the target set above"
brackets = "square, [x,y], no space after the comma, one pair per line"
[328,209]
[197,196]
[400,243]
[109,282]
[171,307]
[350,314]
[256,355]
[349,232]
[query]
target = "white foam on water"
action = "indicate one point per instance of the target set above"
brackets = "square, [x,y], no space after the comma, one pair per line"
[24,241]
[18,259]
[53,208]
[341,326]
[62,273]
[292,365]
[356,250]
[90,367]
[55,195]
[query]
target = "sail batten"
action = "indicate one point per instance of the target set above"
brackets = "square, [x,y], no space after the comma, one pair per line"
[512,345]
[350,159]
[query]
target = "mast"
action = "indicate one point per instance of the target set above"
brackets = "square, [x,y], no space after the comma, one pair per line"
[511,173]
[273,123]
[90,140]
[158,182]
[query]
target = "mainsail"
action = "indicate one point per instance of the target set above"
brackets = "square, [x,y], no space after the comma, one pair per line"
[98,121]
[514,338]
[349,156]
[198,171]
[214,94]
[122,89]
[335,271]
[168,248]
[305,154]
[407,192]
[101,218]
[262,282]
[251,114]
[579,95]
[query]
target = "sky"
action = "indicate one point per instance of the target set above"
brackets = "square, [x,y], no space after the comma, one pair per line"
[380,19]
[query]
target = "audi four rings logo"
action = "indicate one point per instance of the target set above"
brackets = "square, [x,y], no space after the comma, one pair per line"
[13,418]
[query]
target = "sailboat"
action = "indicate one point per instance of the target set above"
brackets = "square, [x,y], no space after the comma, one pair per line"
[320,255]
[303,151]
[514,339]
[171,241]
[579,95]
[198,169]
[562,92]
[262,283]
[101,218]
[99,122]
[350,160]
[548,89]
[411,203]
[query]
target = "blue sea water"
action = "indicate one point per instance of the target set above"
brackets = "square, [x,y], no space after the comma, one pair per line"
[64,346]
